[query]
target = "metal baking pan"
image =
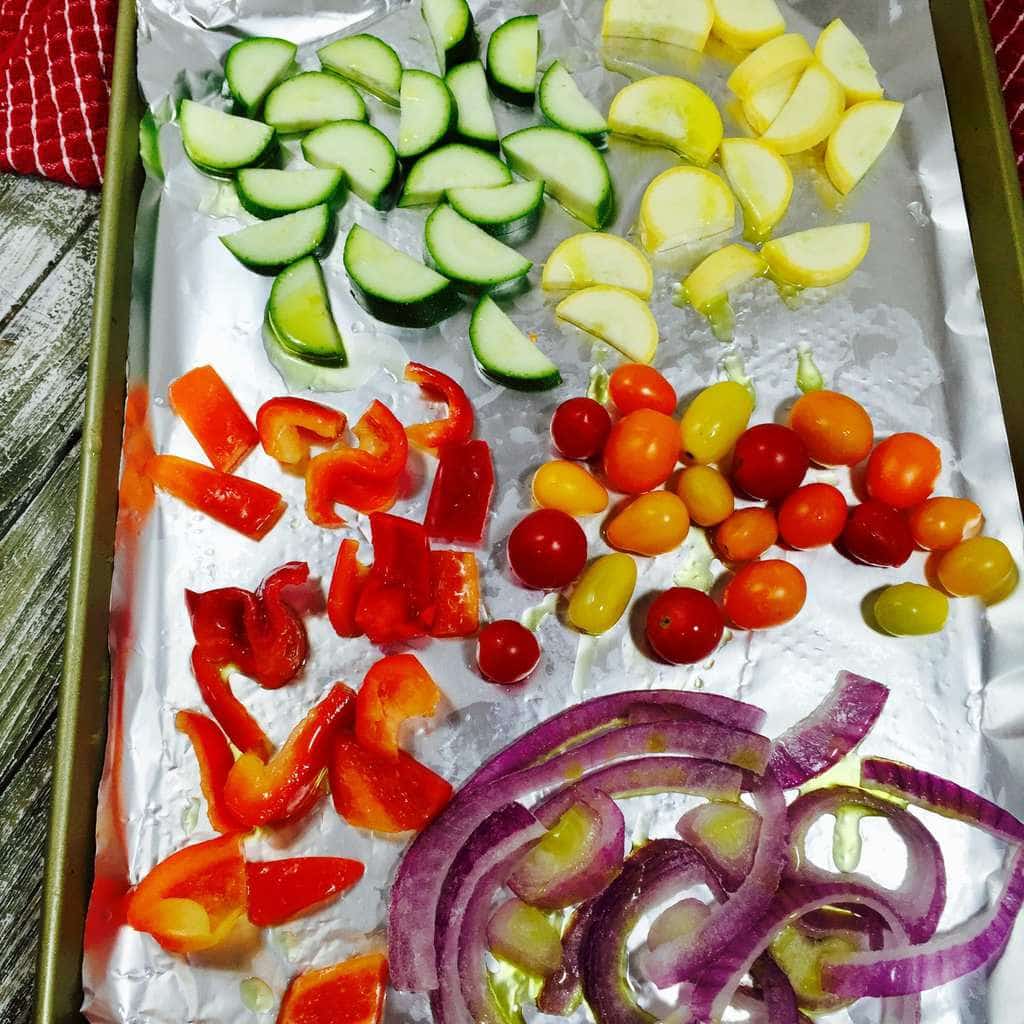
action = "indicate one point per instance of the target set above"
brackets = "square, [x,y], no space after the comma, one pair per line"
[989,175]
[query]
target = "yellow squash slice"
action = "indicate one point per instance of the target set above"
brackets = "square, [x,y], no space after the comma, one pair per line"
[844,55]
[763,106]
[761,180]
[594,257]
[819,256]
[858,140]
[615,316]
[779,58]
[681,22]
[747,24]
[810,114]
[714,277]
[684,205]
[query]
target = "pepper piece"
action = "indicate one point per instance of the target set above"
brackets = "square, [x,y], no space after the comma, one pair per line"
[241,728]
[346,583]
[192,900]
[385,794]
[289,426]
[461,494]
[215,760]
[243,505]
[279,890]
[366,478]
[396,688]
[259,792]
[213,416]
[347,993]
[456,586]
[456,427]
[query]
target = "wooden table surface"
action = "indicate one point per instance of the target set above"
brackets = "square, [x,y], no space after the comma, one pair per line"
[47,257]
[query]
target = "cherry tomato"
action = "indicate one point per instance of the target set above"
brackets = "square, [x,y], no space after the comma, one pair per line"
[506,652]
[980,567]
[580,428]
[902,470]
[764,594]
[569,488]
[939,523]
[911,609]
[602,593]
[636,386]
[834,428]
[641,451]
[877,534]
[650,525]
[812,516]
[684,625]
[714,420]
[747,534]
[547,550]
[707,495]
[769,461]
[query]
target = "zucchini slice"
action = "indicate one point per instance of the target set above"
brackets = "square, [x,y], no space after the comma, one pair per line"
[266,192]
[220,143]
[562,103]
[507,211]
[512,59]
[615,316]
[505,355]
[428,113]
[394,287]
[468,255]
[253,67]
[311,99]
[366,61]
[363,152]
[452,166]
[452,30]
[299,315]
[273,244]
[468,84]
[572,170]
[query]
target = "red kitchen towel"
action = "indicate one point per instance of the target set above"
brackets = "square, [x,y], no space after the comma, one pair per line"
[1006,20]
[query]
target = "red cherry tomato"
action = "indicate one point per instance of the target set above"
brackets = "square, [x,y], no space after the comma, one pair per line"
[641,451]
[636,386]
[769,461]
[580,428]
[765,594]
[877,534]
[684,625]
[812,516]
[506,652]
[902,470]
[547,550]
[747,534]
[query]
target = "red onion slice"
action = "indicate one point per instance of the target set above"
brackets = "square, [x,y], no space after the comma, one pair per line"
[525,937]
[561,992]
[725,835]
[776,991]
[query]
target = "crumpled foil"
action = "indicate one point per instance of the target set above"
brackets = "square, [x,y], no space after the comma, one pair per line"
[905,335]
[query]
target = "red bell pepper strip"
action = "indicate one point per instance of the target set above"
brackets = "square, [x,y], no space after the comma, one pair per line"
[192,900]
[261,792]
[347,993]
[279,890]
[366,478]
[213,416]
[241,728]
[396,688]
[289,426]
[385,794]
[461,494]
[457,426]
[245,506]
[456,583]
[346,583]
[215,761]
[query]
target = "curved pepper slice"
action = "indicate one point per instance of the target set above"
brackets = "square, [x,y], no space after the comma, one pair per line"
[457,426]
[460,496]
[346,583]
[215,761]
[260,792]
[456,582]
[347,993]
[289,426]
[282,889]
[192,900]
[396,688]
[241,728]
[364,478]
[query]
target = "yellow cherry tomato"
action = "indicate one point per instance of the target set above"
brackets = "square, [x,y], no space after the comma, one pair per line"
[707,495]
[714,421]
[652,524]
[568,487]
[980,567]
[911,609]
[602,593]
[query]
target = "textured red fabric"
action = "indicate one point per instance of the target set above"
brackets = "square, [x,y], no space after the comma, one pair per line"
[1006,20]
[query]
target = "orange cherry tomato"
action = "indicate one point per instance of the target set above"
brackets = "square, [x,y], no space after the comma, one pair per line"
[902,470]
[765,594]
[568,487]
[980,567]
[650,525]
[636,386]
[641,451]
[812,516]
[940,523]
[707,494]
[834,428]
[747,534]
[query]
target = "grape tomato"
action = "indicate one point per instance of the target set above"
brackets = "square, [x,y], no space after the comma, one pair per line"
[940,523]
[568,487]
[651,524]
[602,593]
[812,516]
[765,594]
[980,567]
[834,428]
[747,534]
[684,625]
[580,427]
[769,462]
[877,534]
[707,495]
[911,609]
[635,386]
[714,420]
[641,451]
[902,470]
[547,550]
